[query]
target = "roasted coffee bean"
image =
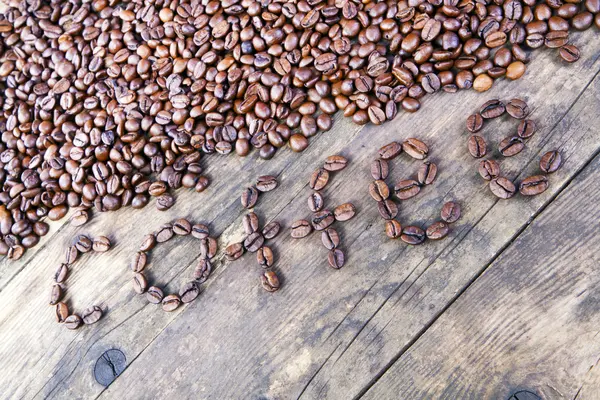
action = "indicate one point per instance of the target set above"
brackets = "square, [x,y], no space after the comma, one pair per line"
[250,223]
[80,217]
[492,109]
[322,220]
[533,185]
[139,261]
[393,229]
[415,148]
[61,273]
[271,230]
[264,257]
[474,123]
[387,209]
[62,312]
[526,128]
[266,183]
[154,295]
[165,233]
[200,231]
[412,235]
[556,39]
[164,202]
[517,108]
[511,146]
[515,70]
[502,188]
[477,146]
[330,238]
[249,197]
[319,179]
[301,228]
[101,244]
[335,163]
[451,212]
[269,281]
[208,247]
[253,242]
[56,294]
[91,315]
[234,251]
[148,242]
[437,230]
[427,173]
[570,53]
[379,169]
[71,255]
[171,303]
[379,190]
[315,202]
[202,270]
[73,322]
[344,212]
[390,151]
[489,169]
[551,161]
[407,189]
[83,244]
[140,283]
[182,227]
[336,258]
[188,292]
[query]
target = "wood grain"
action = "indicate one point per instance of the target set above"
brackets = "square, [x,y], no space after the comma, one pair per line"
[326,333]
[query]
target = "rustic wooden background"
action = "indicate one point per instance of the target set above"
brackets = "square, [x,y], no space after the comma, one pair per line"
[509,301]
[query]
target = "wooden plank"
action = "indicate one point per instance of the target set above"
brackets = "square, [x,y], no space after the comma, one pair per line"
[531,322]
[237,341]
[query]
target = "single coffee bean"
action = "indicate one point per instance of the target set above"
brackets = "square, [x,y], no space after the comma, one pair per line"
[483,83]
[315,202]
[330,238]
[249,197]
[390,151]
[492,109]
[61,273]
[62,312]
[502,188]
[101,244]
[517,108]
[437,230]
[556,39]
[80,217]
[91,315]
[73,322]
[344,212]
[202,270]
[570,53]
[200,231]
[319,179]
[451,212]
[164,202]
[171,303]
[376,115]
[551,161]
[515,70]
[71,255]
[477,146]
[489,169]
[266,183]
[526,128]
[336,258]
[335,163]
[407,189]
[148,242]
[415,148]
[301,228]
[379,190]
[412,235]
[182,227]
[387,209]
[56,294]
[208,247]
[393,229]
[154,295]
[253,242]
[322,219]
[269,281]
[188,292]
[533,185]
[139,261]
[264,257]
[83,244]
[511,146]
[379,169]
[427,173]
[140,283]
[250,223]
[165,233]
[474,123]
[234,251]
[271,230]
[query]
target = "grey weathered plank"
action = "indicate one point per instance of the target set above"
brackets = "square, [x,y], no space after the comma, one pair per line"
[237,341]
[531,322]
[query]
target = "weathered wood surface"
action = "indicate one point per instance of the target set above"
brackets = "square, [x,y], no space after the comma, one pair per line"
[326,333]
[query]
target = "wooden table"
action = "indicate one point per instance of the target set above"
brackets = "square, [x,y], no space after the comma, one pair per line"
[509,301]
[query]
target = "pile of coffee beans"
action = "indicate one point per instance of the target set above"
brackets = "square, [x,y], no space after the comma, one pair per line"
[264,183]
[189,291]
[406,189]
[489,169]
[91,315]
[322,219]
[107,104]
[254,242]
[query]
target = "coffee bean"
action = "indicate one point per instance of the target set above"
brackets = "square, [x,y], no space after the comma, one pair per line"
[322,220]
[515,70]
[80,217]
[344,212]
[502,188]
[171,303]
[208,247]
[379,169]
[437,230]
[407,189]
[154,295]
[551,161]
[62,312]
[140,283]
[200,231]
[412,235]
[73,322]
[477,146]
[271,230]
[390,151]
[482,83]
[91,315]
[250,223]
[517,108]
[511,146]
[61,273]
[266,183]
[427,173]
[56,294]
[415,148]
[182,227]
[330,238]
[474,123]
[379,190]
[164,202]
[533,185]
[336,258]
[335,163]
[269,281]
[451,212]
[139,262]
[202,270]
[234,251]
[319,179]
[264,257]
[570,53]
[301,228]
[249,197]
[253,242]
[492,109]
[387,209]
[101,244]
[489,169]
[315,202]
[165,233]
[71,255]
[526,128]
[188,292]
[393,229]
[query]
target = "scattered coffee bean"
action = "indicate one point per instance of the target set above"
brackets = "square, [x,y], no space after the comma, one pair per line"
[140,283]
[502,188]
[477,146]
[451,212]
[71,255]
[253,242]
[148,242]
[182,227]
[412,235]
[171,302]
[387,209]
[154,295]
[56,294]
[188,292]
[551,161]
[80,217]
[511,146]
[264,257]
[202,270]
[73,322]
[526,128]
[165,233]
[407,189]
[336,258]
[330,238]
[533,185]
[319,179]
[62,312]
[234,251]
[270,281]
[379,190]
[101,244]
[322,220]
[379,169]
[489,169]
[393,229]
[427,173]
[335,163]
[517,108]
[474,123]
[271,230]
[390,151]
[266,183]
[249,197]
[91,315]
[250,223]
[61,273]
[437,230]
[492,109]
[415,148]
[570,53]
[139,262]
[200,231]
[301,229]
[315,202]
